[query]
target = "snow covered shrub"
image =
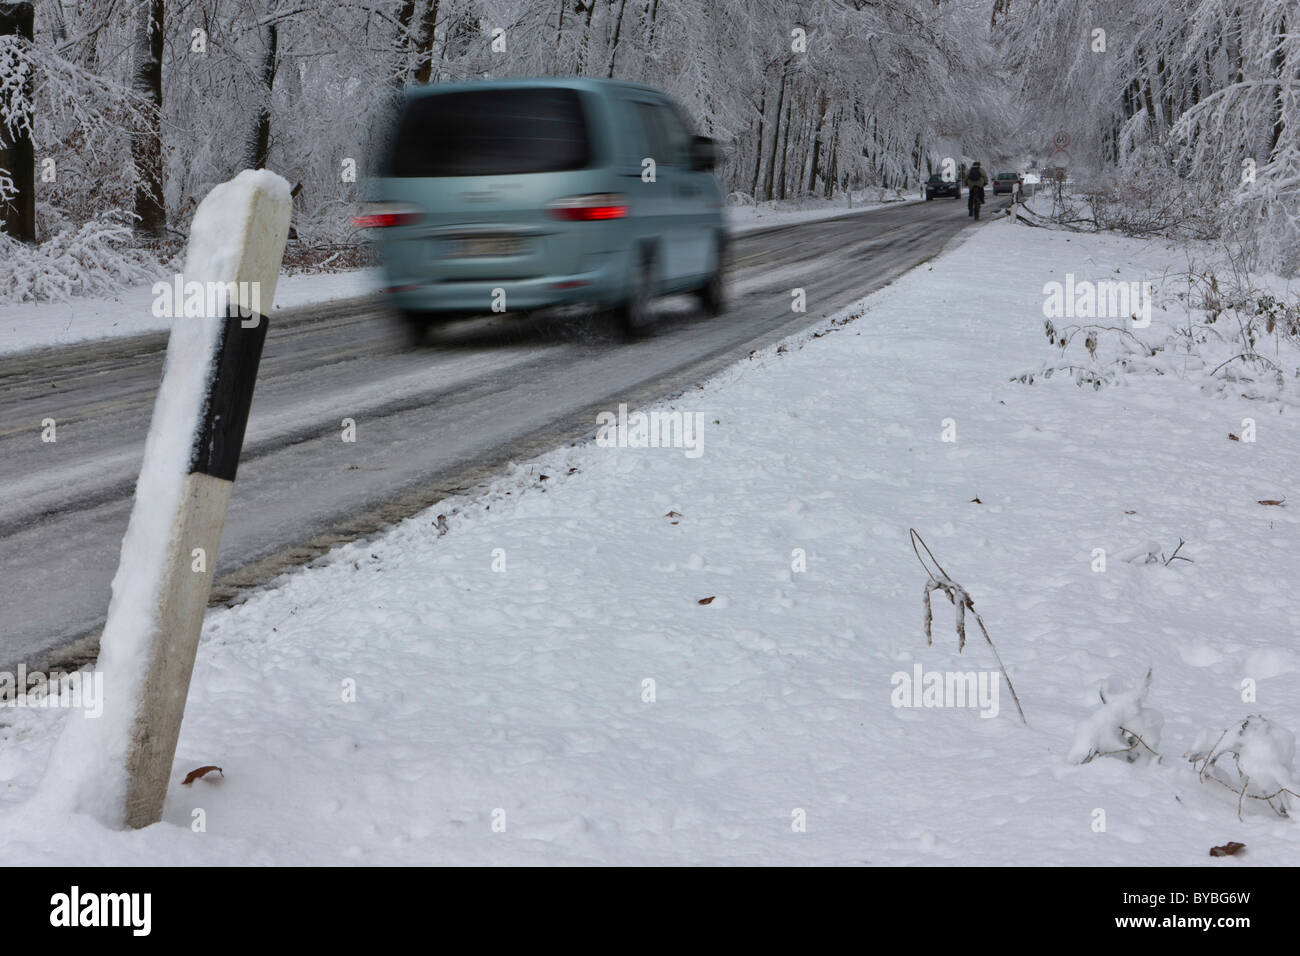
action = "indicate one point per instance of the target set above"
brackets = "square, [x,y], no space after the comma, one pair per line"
[93,259]
[1121,726]
[1223,328]
[1243,330]
[1130,352]
[1153,553]
[1261,754]
[1145,201]
[1142,199]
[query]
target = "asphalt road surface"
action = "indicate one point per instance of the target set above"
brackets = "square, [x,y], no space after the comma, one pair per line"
[430,421]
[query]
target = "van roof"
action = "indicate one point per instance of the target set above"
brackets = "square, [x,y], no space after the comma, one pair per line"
[591,84]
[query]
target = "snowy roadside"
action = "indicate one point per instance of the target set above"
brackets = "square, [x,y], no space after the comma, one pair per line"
[542,681]
[30,325]
[748,218]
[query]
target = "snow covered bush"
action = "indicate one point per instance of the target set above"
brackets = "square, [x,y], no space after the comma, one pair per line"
[1121,726]
[1244,327]
[1259,762]
[93,259]
[1217,325]
[1129,353]
[1142,200]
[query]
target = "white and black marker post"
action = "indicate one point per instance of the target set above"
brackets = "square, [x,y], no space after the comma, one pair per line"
[118,767]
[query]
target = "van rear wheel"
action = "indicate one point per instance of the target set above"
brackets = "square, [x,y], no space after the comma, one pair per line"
[414,327]
[632,315]
[713,294]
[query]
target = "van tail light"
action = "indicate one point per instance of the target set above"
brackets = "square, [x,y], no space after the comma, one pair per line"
[588,208]
[384,214]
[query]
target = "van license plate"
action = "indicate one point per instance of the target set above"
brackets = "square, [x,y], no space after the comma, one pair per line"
[476,247]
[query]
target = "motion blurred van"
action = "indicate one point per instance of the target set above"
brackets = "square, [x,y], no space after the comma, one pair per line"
[510,196]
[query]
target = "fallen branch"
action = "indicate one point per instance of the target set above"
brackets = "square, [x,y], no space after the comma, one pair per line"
[939,580]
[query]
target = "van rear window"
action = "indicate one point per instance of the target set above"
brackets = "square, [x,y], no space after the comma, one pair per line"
[491,132]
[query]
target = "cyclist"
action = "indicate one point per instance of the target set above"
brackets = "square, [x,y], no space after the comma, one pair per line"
[976,180]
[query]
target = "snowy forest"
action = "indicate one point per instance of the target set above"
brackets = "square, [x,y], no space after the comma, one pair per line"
[118,115]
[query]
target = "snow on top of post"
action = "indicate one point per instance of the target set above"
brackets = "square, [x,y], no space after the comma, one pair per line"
[238,233]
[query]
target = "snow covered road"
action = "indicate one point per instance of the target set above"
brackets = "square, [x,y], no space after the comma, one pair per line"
[433,421]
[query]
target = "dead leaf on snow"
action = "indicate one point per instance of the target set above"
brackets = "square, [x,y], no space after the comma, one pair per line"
[201,772]
[1228,849]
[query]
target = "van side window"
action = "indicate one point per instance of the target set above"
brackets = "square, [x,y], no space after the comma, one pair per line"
[677,136]
[652,131]
[667,140]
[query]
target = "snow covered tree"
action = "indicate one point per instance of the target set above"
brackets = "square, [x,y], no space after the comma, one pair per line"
[1204,96]
[17,160]
[804,97]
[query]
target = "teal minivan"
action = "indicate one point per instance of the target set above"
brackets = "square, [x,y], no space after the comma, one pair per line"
[516,195]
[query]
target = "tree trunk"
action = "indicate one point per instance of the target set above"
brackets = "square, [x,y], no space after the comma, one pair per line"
[406,38]
[833,179]
[758,152]
[146,144]
[785,149]
[17,155]
[817,145]
[618,32]
[776,138]
[1279,104]
[653,6]
[586,39]
[424,48]
[802,149]
[406,16]
[259,143]
[1148,100]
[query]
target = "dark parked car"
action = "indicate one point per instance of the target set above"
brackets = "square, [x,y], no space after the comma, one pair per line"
[936,185]
[1005,183]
